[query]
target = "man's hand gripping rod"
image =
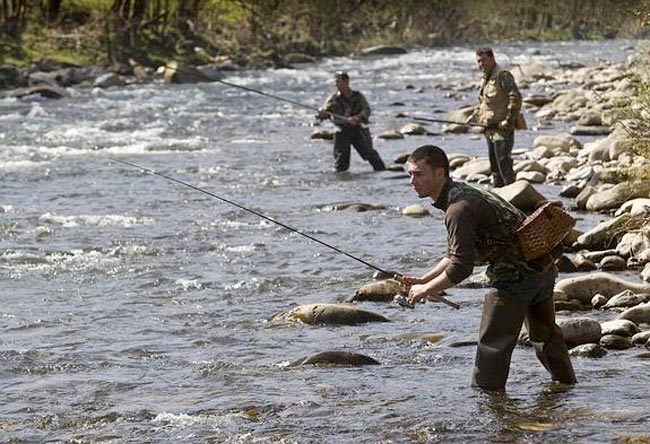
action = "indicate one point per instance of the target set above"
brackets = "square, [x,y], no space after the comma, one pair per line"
[402,300]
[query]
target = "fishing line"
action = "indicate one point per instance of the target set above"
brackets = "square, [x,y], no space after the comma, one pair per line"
[257,91]
[256,213]
[387,274]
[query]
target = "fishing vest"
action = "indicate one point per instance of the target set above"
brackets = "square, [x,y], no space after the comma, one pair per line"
[497,243]
[355,105]
[493,99]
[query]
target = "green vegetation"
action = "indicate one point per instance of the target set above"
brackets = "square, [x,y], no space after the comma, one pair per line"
[112,32]
[637,114]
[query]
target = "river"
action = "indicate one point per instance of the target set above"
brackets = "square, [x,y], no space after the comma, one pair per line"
[137,310]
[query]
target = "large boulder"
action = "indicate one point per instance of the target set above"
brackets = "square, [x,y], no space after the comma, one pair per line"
[579,331]
[583,288]
[617,195]
[521,194]
[342,314]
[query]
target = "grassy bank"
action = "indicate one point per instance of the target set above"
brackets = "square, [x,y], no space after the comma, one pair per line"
[254,32]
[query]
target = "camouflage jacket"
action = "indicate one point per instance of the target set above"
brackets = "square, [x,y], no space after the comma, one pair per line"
[481,228]
[355,105]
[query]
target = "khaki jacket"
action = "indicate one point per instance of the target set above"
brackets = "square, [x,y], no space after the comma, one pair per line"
[499,98]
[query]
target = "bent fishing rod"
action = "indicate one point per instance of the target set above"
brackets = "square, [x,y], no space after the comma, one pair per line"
[257,91]
[426,119]
[256,213]
[436,298]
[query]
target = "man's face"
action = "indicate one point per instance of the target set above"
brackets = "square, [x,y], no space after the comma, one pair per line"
[425,180]
[485,62]
[342,83]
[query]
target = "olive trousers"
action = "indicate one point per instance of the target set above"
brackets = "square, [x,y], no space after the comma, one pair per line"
[358,137]
[504,312]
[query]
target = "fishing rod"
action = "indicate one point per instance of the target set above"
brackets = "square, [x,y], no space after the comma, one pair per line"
[426,119]
[257,91]
[270,219]
[256,213]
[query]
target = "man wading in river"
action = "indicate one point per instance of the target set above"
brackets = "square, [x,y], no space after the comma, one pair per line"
[499,106]
[481,228]
[354,107]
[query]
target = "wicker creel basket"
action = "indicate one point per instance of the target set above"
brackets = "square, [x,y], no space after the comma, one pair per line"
[543,230]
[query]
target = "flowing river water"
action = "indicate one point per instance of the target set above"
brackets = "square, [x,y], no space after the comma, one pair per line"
[137,310]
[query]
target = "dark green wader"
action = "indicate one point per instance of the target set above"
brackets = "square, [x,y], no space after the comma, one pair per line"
[360,138]
[504,312]
[500,155]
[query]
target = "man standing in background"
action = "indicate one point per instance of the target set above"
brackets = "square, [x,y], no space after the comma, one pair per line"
[499,106]
[353,107]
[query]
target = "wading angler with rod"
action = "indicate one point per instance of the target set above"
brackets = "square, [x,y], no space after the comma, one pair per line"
[402,301]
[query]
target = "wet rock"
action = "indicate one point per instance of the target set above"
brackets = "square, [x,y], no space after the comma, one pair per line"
[401,159]
[580,130]
[47,91]
[645,273]
[107,80]
[11,77]
[616,196]
[337,314]
[536,99]
[299,57]
[521,194]
[635,207]
[531,176]
[616,342]
[588,351]
[392,134]
[579,331]
[335,357]
[583,197]
[601,235]
[415,210]
[413,129]
[572,305]
[457,160]
[561,143]
[590,118]
[472,167]
[641,337]
[583,264]
[620,327]
[598,301]
[382,291]
[626,299]
[612,263]
[570,191]
[633,244]
[639,314]
[383,50]
[355,207]
[174,72]
[322,135]
[585,287]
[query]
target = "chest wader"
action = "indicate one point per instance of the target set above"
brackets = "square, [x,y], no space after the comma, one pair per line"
[360,138]
[523,294]
[504,312]
[500,155]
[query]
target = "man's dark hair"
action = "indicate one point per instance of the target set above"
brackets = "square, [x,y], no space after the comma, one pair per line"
[342,75]
[486,50]
[434,156]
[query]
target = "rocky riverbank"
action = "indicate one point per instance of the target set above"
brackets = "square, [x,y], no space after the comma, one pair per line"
[598,177]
